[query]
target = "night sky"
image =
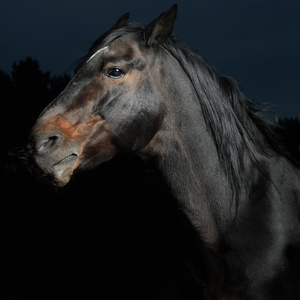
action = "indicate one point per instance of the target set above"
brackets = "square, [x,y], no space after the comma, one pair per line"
[255,41]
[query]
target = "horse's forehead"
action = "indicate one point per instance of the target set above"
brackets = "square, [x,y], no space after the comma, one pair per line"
[122,47]
[125,46]
[97,52]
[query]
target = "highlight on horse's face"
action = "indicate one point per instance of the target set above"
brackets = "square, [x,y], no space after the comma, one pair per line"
[110,105]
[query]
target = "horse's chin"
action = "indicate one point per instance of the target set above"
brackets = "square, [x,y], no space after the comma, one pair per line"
[60,182]
[63,170]
[59,173]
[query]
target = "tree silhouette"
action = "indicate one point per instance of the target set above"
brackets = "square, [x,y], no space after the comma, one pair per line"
[290,132]
[5,87]
[57,84]
[23,96]
[31,90]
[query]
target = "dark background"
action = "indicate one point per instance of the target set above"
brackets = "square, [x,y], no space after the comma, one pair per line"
[255,41]
[115,232]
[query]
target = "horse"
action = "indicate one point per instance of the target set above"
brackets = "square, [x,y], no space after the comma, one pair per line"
[140,90]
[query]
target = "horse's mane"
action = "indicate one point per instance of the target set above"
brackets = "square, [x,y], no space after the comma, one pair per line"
[236,123]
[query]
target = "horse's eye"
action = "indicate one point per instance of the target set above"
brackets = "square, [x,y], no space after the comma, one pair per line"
[115,73]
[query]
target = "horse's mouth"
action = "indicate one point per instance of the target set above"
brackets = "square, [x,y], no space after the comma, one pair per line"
[63,169]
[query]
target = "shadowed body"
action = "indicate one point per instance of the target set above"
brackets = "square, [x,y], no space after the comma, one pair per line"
[139,90]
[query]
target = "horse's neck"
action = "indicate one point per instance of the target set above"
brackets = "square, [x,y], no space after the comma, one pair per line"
[187,156]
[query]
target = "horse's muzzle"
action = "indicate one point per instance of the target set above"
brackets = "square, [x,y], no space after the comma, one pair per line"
[55,156]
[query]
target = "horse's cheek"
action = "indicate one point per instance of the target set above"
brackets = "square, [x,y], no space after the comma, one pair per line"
[137,129]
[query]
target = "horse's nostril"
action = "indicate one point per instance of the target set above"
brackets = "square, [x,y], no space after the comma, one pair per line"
[47,142]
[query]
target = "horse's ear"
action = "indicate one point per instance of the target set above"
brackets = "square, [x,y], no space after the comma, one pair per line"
[121,22]
[161,28]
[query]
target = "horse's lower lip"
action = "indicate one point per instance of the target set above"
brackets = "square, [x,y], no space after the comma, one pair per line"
[62,170]
[66,161]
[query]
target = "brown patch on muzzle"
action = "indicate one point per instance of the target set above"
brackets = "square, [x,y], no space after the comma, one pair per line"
[60,146]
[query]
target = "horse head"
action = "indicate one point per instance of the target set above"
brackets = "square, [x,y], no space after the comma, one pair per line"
[110,105]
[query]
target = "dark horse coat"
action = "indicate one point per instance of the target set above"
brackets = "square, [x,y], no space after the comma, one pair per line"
[139,90]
